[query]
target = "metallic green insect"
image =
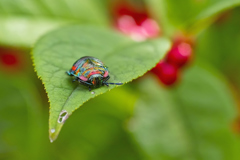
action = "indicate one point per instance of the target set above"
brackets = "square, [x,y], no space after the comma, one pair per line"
[91,72]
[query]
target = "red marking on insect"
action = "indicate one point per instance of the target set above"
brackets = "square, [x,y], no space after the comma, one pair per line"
[105,74]
[83,78]
[94,72]
[74,68]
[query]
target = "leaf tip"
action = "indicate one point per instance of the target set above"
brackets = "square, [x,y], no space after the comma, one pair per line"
[53,134]
[51,140]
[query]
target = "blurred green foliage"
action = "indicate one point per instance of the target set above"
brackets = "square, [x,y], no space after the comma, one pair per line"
[190,16]
[140,120]
[190,121]
[219,45]
[23,22]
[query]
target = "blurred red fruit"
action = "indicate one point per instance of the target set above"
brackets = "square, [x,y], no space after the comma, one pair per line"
[151,28]
[137,10]
[125,23]
[167,73]
[180,54]
[10,60]
[134,21]
[148,29]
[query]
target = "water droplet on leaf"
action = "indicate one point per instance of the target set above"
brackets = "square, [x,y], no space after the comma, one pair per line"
[52,130]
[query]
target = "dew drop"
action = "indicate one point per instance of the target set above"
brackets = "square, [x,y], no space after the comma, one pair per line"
[92,92]
[52,130]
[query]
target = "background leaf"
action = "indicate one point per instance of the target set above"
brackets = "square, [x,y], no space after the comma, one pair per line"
[21,117]
[191,121]
[188,15]
[219,45]
[22,31]
[55,53]
[23,22]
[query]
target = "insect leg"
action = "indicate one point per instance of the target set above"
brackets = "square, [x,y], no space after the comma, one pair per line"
[75,79]
[84,82]
[105,80]
[69,73]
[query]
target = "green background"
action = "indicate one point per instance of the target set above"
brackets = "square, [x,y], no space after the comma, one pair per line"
[193,120]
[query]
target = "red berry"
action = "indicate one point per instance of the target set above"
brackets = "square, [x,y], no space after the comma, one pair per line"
[151,28]
[148,29]
[126,24]
[180,54]
[10,60]
[167,73]
[134,20]
[136,10]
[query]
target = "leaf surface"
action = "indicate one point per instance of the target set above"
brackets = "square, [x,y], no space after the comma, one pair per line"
[22,22]
[191,121]
[189,15]
[219,45]
[56,52]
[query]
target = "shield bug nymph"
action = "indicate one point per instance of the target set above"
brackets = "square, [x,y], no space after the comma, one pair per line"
[91,72]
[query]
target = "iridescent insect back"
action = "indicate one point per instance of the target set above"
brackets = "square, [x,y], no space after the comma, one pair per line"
[91,72]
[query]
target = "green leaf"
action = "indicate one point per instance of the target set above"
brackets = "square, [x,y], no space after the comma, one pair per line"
[219,46]
[191,121]
[189,15]
[22,31]
[23,22]
[54,54]
[20,113]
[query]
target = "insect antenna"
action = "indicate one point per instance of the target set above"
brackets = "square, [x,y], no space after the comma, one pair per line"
[113,83]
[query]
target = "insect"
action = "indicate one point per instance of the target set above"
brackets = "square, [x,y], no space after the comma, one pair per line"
[91,72]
